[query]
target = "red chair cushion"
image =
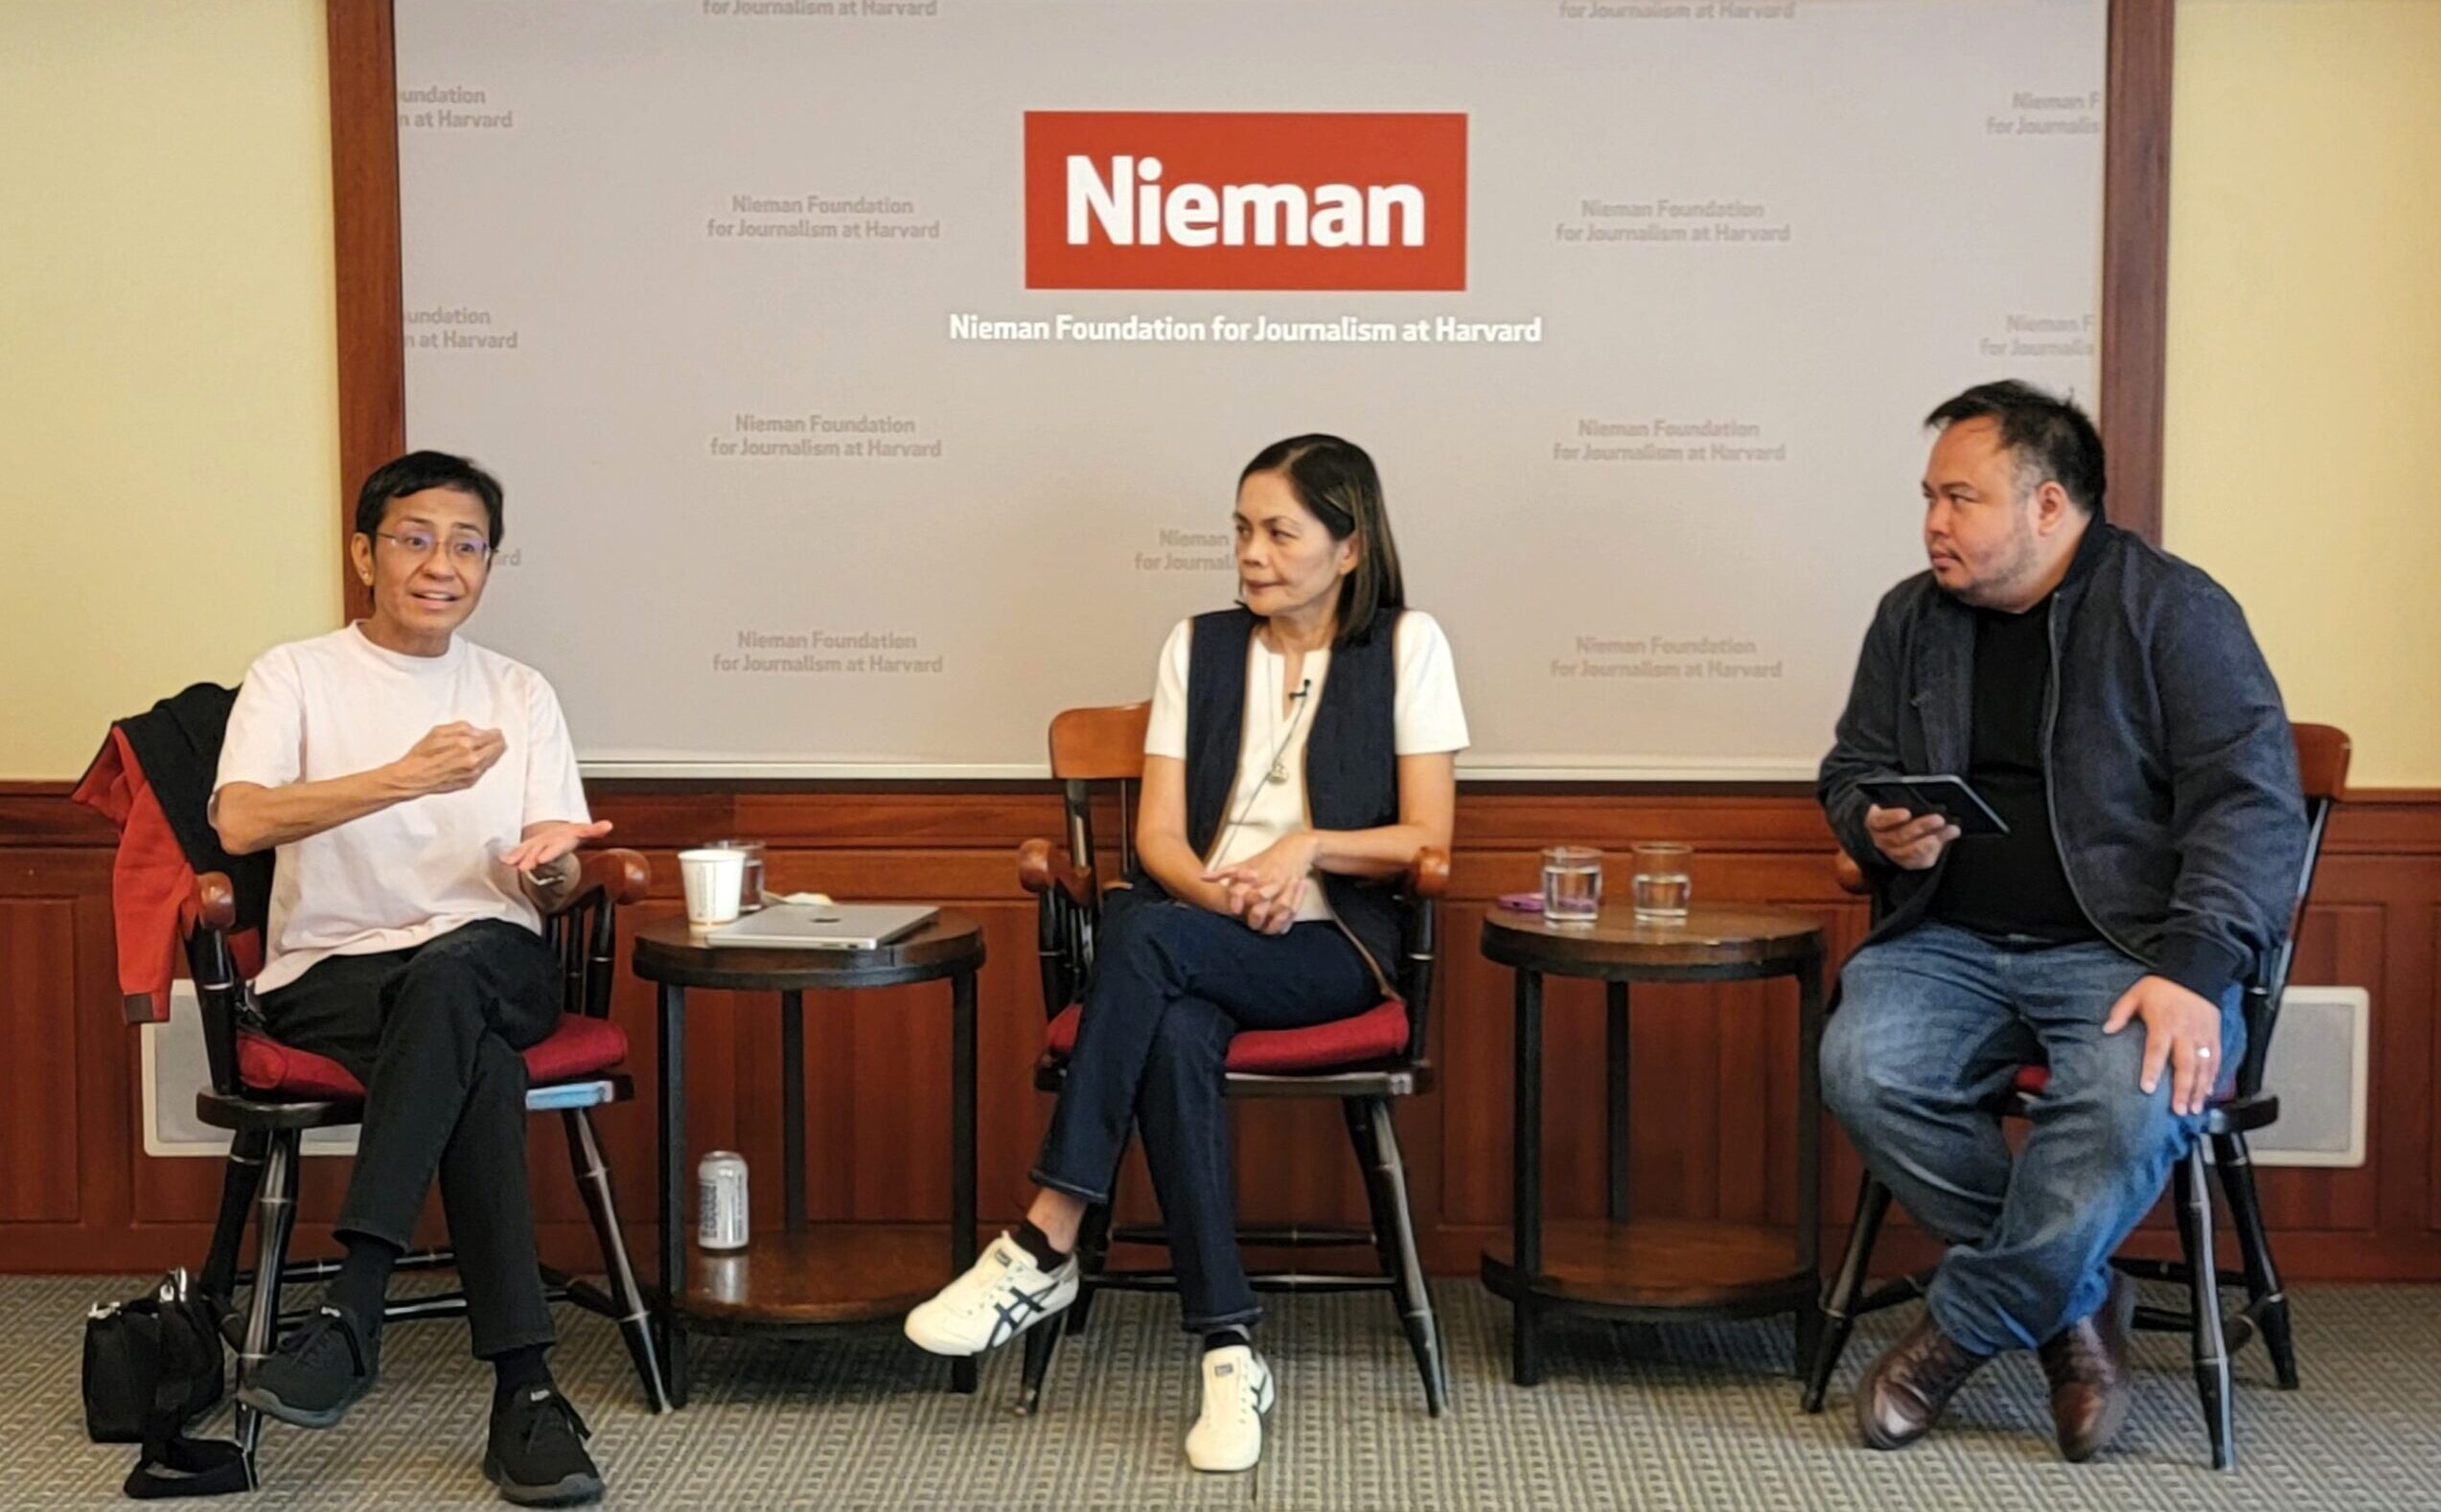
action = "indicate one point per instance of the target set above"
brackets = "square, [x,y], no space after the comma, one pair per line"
[1376,1034]
[580,1046]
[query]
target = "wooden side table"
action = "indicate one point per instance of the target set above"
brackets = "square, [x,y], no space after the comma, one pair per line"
[1655,1271]
[806,1277]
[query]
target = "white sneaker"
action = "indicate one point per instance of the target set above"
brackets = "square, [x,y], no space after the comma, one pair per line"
[1238,1391]
[1001,1295]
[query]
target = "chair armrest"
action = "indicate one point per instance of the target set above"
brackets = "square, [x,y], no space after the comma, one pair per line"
[216,901]
[617,875]
[1849,876]
[1428,874]
[1042,866]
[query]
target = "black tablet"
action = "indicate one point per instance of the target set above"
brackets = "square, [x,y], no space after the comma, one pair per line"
[1945,793]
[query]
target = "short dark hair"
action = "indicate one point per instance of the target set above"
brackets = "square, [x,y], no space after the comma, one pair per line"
[1336,481]
[417,471]
[2050,439]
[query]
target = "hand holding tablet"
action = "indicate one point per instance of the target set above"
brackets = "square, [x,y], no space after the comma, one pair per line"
[1945,793]
[1914,818]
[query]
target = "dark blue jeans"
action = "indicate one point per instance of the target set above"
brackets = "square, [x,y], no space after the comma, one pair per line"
[1171,985]
[1931,1028]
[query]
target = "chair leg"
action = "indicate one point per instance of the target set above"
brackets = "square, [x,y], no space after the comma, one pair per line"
[278,1217]
[1042,1342]
[1092,1254]
[1368,1164]
[2266,1301]
[636,1320]
[241,1180]
[1375,1136]
[1839,1307]
[1042,1348]
[2194,1202]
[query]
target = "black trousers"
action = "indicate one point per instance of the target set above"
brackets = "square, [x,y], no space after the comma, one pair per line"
[433,1033]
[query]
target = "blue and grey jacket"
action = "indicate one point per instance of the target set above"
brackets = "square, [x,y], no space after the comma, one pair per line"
[2167,756]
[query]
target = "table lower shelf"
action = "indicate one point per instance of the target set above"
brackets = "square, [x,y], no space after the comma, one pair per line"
[1661,1268]
[827,1273]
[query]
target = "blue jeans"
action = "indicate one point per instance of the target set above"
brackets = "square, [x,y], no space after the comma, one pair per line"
[1931,1028]
[1171,985]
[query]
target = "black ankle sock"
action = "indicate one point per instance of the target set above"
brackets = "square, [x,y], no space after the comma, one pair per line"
[364,1281]
[1224,1338]
[520,1370]
[1038,1246]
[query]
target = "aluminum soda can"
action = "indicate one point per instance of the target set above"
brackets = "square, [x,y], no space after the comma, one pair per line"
[720,1200]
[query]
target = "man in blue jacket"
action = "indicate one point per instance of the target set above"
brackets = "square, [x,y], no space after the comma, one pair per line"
[2108,701]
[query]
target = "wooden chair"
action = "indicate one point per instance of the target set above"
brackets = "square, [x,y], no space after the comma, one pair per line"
[2240,1108]
[267,1095]
[1363,1062]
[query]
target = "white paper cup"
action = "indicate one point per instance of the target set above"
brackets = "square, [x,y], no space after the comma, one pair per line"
[714,880]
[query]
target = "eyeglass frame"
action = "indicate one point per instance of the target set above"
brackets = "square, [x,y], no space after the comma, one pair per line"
[481,558]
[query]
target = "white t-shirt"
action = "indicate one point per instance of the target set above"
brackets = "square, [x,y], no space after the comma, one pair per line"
[1425,713]
[338,705]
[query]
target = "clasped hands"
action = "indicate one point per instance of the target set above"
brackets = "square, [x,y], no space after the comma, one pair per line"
[1263,890]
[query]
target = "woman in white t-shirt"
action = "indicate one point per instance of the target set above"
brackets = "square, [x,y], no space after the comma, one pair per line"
[423,801]
[1300,752]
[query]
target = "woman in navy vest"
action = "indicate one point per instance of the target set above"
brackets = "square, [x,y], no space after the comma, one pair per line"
[1302,749]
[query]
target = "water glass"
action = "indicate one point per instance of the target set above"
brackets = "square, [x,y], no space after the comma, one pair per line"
[1661,882]
[749,894]
[1572,885]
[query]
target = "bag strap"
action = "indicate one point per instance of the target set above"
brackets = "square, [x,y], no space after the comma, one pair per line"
[189,1467]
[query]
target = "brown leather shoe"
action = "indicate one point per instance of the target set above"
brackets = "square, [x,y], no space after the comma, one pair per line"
[2087,1363]
[1902,1397]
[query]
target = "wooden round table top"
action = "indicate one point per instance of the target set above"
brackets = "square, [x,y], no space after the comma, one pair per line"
[1725,937]
[669,950]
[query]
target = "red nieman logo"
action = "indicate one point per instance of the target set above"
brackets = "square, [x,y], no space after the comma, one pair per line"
[1183,199]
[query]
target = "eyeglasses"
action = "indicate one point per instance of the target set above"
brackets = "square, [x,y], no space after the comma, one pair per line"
[464,551]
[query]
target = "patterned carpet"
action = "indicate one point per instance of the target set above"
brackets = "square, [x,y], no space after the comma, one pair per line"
[1625,1417]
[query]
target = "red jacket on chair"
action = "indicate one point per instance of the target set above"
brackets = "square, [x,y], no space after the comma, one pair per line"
[152,881]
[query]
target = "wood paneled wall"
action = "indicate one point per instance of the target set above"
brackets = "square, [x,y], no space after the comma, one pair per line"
[1714,1067]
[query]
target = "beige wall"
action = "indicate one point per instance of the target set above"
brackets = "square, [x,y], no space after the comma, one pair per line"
[168,389]
[169,386]
[2304,351]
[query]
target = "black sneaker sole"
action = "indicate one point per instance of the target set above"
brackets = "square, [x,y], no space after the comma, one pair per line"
[270,1405]
[569,1490]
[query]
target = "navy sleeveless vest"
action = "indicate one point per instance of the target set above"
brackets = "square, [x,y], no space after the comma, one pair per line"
[1352,758]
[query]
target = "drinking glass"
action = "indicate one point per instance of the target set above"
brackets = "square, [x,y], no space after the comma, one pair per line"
[1661,883]
[1572,885]
[750,893]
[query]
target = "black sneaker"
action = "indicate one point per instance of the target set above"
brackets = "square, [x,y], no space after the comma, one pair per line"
[536,1455]
[316,1373]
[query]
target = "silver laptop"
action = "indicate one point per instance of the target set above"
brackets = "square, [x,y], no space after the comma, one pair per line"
[824,925]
